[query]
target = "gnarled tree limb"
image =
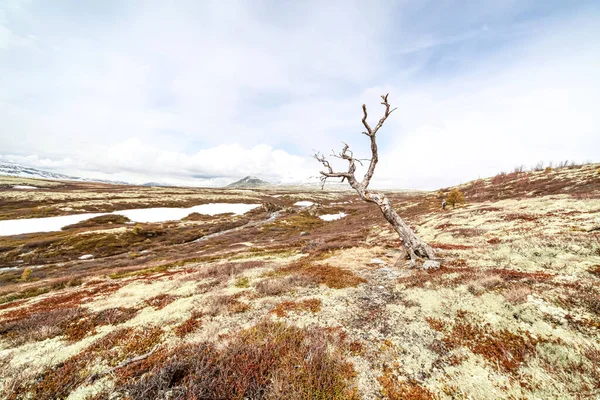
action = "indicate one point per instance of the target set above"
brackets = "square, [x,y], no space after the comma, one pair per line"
[414,246]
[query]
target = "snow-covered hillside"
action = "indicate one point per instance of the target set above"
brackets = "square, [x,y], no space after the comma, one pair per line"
[29,172]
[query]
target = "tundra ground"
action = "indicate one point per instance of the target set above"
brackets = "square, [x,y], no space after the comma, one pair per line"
[277,303]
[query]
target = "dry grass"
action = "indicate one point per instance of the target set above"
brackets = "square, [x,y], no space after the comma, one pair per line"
[38,290]
[227,270]
[517,294]
[396,389]
[283,308]
[222,304]
[333,277]
[278,286]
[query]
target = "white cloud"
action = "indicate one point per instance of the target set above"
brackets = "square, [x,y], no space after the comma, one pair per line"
[136,161]
[164,92]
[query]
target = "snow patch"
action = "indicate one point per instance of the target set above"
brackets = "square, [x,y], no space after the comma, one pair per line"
[332,217]
[26,187]
[303,203]
[52,224]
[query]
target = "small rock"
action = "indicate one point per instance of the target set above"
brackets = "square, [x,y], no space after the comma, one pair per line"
[430,264]
[86,257]
[303,233]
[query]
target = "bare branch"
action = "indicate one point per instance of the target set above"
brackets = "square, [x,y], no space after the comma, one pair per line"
[371,134]
[414,246]
[330,173]
[369,131]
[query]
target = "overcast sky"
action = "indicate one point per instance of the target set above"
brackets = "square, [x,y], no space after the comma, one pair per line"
[204,93]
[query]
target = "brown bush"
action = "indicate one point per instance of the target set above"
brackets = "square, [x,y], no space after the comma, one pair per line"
[520,216]
[334,277]
[268,361]
[500,178]
[87,325]
[484,283]
[282,309]
[40,325]
[58,381]
[189,325]
[501,348]
[161,301]
[595,270]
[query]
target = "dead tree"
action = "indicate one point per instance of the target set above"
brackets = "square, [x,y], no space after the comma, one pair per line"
[415,247]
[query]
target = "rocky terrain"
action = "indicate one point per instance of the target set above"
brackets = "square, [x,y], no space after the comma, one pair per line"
[285,302]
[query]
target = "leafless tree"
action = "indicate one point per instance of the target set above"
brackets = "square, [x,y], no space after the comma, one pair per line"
[415,247]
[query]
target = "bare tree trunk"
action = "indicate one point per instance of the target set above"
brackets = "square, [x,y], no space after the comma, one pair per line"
[415,247]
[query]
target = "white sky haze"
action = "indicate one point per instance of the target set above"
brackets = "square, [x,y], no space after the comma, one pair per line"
[206,92]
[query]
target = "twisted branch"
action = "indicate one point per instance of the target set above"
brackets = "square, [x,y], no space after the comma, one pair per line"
[348,155]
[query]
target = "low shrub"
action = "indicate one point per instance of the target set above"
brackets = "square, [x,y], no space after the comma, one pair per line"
[189,325]
[282,309]
[277,286]
[269,361]
[26,274]
[395,389]
[39,325]
[502,348]
[455,197]
[243,282]
[499,179]
[161,301]
[333,277]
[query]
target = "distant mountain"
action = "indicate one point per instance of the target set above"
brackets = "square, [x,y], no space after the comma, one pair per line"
[29,172]
[248,182]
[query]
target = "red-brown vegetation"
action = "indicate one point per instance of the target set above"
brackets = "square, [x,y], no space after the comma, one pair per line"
[161,301]
[501,348]
[270,360]
[520,216]
[189,325]
[334,277]
[87,325]
[57,382]
[394,388]
[283,308]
